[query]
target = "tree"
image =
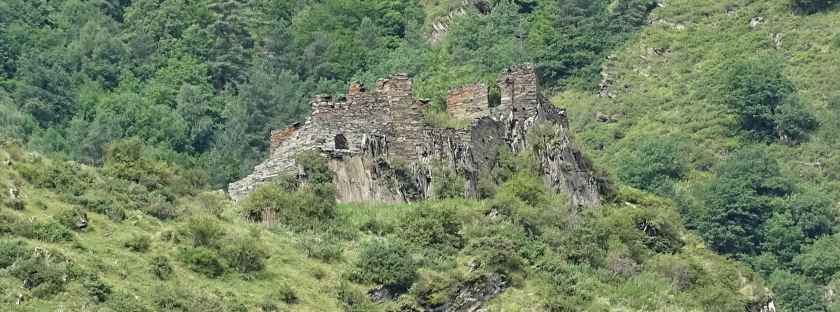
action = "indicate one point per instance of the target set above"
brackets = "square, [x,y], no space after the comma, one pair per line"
[811,6]
[739,201]
[228,55]
[821,260]
[765,101]
[387,263]
[796,293]
[654,165]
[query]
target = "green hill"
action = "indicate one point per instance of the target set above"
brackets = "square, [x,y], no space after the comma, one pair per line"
[715,121]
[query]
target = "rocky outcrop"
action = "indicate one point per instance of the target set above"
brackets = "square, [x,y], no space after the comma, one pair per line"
[382,149]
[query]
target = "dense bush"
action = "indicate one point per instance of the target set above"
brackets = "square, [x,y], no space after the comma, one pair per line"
[244,254]
[96,288]
[811,6]
[161,268]
[202,260]
[322,247]
[447,183]
[43,272]
[796,293]
[385,262]
[302,209]
[821,261]
[138,243]
[73,219]
[654,164]
[765,101]
[204,231]
[432,228]
[738,201]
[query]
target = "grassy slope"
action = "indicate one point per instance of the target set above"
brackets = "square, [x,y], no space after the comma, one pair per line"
[101,249]
[673,93]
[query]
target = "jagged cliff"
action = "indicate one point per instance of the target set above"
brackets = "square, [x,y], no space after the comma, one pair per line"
[381,147]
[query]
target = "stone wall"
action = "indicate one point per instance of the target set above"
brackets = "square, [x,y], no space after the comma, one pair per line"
[381,148]
[468,102]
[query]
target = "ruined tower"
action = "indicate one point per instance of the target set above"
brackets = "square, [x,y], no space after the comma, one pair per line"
[364,132]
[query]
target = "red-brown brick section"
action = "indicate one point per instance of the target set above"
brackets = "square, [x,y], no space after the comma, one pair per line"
[279,136]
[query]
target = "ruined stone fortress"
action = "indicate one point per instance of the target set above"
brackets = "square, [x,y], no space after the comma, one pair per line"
[381,147]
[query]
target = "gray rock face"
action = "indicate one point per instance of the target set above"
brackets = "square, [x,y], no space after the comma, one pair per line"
[382,149]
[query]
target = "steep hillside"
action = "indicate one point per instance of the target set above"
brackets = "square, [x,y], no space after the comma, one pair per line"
[80,238]
[711,126]
[664,122]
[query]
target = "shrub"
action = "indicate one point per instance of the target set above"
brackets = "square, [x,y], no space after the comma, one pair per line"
[212,203]
[244,255]
[527,188]
[138,243]
[811,6]
[321,247]
[11,251]
[161,268]
[184,299]
[496,253]
[821,260]
[43,272]
[765,101]
[202,260]
[203,231]
[51,232]
[123,302]
[653,165]
[73,219]
[316,170]
[305,208]
[796,293]
[353,299]
[97,289]
[447,183]
[683,273]
[431,228]
[433,289]
[385,262]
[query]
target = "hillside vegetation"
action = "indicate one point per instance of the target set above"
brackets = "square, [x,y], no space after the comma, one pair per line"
[82,238]
[731,109]
[716,122]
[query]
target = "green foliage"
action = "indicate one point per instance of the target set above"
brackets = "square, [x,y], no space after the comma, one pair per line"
[161,268]
[138,243]
[432,228]
[245,255]
[796,293]
[654,164]
[821,260]
[204,231]
[765,101]
[202,260]
[385,262]
[497,249]
[309,206]
[96,288]
[448,184]
[738,202]
[811,6]
[43,272]
[323,248]
[434,289]
[282,293]
[316,170]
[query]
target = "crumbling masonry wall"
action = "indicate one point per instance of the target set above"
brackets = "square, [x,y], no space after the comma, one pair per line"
[468,102]
[381,147]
